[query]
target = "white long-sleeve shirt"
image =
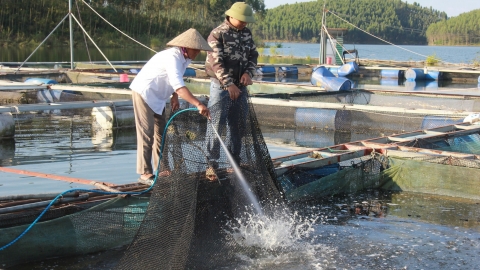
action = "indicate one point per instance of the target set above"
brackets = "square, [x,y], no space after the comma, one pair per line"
[160,77]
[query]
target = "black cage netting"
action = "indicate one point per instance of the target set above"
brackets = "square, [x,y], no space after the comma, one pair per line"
[184,224]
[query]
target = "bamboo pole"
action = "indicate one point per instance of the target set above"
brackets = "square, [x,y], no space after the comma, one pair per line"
[88,196]
[41,204]
[41,196]
[54,177]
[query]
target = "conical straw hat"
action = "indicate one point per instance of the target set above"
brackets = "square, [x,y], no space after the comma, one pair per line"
[190,39]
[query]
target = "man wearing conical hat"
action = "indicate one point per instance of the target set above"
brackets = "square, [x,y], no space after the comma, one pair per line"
[231,66]
[159,80]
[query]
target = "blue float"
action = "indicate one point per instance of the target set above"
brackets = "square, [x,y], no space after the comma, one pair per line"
[414,74]
[347,69]
[134,70]
[49,96]
[40,81]
[418,74]
[266,71]
[334,70]
[322,77]
[289,70]
[189,72]
[391,74]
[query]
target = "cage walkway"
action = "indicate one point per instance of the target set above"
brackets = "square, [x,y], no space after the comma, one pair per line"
[394,145]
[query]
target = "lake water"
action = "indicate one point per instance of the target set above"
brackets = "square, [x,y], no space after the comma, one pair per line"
[450,54]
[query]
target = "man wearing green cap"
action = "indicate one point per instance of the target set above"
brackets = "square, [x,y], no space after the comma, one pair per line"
[231,66]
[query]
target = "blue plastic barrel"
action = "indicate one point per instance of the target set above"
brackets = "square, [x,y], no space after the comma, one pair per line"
[414,74]
[323,119]
[433,75]
[40,81]
[334,70]
[49,96]
[417,74]
[391,74]
[438,121]
[134,70]
[347,69]
[322,77]
[189,72]
[289,70]
[266,71]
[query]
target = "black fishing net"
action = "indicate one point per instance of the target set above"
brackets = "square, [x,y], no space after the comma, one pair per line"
[185,224]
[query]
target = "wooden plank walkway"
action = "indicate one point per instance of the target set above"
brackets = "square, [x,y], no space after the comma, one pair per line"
[388,145]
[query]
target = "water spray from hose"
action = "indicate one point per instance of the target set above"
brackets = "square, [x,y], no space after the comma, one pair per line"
[251,197]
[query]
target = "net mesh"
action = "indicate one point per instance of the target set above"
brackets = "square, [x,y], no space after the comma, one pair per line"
[429,174]
[184,224]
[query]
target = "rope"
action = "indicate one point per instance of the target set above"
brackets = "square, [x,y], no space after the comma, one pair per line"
[42,43]
[331,43]
[84,38]
[376,36]
[117,28]
[81,27]
[98,191]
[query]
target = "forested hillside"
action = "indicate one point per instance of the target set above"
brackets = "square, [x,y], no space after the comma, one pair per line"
[393,20]
[30,21]
[153,22]
[461,30]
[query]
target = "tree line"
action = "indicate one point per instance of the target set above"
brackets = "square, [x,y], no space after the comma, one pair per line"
[394,20]
[29,22]
[461,30]
[153,22]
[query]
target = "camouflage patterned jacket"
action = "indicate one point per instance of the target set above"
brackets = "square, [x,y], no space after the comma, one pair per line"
[234,53]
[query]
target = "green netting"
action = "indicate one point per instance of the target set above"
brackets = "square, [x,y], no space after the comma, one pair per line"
[430,175]
[110,224]
[449,177]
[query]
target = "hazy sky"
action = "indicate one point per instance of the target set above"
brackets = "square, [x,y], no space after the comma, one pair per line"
[452,8]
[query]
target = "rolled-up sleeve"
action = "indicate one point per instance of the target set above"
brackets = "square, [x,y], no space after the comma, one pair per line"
[175,70]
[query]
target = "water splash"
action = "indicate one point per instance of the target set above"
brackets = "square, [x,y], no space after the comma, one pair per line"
[271,233]
[284,240]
